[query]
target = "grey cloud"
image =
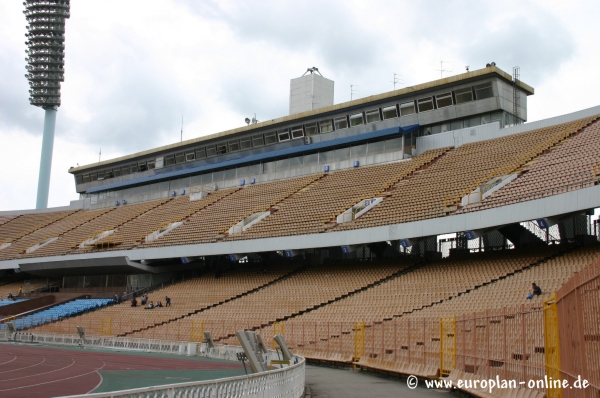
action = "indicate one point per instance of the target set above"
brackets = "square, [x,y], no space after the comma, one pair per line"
[535,39]
[336,34]
[539,50]
[247,96]
[142,106]
[15,110]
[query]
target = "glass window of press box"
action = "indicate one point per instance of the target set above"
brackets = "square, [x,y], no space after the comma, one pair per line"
[311,128]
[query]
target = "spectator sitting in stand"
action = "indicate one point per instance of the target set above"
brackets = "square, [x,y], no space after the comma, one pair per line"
[536,291]
[144,299]
[159,304]
[134,302]
[150,306]
[10,296]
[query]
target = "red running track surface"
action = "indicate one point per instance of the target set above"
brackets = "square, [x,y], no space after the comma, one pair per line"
[44,372]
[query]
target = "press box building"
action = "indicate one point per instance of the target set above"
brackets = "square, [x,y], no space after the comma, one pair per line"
[379,128]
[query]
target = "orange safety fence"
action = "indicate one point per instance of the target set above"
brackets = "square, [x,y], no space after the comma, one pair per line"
[507,343]
[578,302]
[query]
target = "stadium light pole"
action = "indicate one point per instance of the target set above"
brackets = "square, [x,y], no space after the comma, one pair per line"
[45,70]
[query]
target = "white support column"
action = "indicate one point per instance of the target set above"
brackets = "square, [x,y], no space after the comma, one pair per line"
[46,158]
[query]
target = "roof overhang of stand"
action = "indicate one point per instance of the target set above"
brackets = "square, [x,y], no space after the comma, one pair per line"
[268,156]
[80,265]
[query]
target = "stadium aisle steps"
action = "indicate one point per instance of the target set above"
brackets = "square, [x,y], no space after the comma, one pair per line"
[186,296]
[313,292]
[133,233]
[14,286]
[342,297]
[25,224]
[304,290]
[275,203]
[5,219]
[131,216]
[227,300]
[69,242]
[293,316]
[421,288]
[56,229]
[314,209]
[211,224]
[437,192]
[571,161]
[550,274]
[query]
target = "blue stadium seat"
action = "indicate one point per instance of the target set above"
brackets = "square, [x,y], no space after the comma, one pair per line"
[65,310]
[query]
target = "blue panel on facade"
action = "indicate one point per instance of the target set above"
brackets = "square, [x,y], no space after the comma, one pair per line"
[257,158]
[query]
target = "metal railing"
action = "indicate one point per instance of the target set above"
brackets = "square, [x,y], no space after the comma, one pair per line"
[511,347]
[578,304]
[287,382]
[573,186]
[550,234]
[387,185]
[283,382]
[263,208]
[519,162]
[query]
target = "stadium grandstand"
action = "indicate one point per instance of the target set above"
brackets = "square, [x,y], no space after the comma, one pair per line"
[398,233]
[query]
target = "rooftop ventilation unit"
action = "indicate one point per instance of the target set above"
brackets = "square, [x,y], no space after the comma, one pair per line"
[310,91]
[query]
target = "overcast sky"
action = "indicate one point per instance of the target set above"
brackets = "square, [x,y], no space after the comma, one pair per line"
[133,68]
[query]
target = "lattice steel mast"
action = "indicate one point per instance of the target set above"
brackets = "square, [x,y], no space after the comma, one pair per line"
[45,70]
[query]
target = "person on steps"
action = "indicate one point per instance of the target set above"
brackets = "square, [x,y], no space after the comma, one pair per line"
[536,291]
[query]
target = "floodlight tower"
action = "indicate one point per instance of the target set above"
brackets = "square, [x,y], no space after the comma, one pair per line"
[45,70]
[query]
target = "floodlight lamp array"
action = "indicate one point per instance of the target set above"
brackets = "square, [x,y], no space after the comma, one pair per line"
[45,50]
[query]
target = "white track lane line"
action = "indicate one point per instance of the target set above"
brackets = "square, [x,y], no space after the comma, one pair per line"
[9,361]
[39,374]
[99,384]
[26,367]
[55,381]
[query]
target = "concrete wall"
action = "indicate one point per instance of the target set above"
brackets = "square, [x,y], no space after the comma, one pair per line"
[27,305]
[95,291]
[74,205]
[260,177]
[506,99]
[490,131]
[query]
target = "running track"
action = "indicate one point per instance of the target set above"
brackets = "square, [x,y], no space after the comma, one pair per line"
[42,372]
